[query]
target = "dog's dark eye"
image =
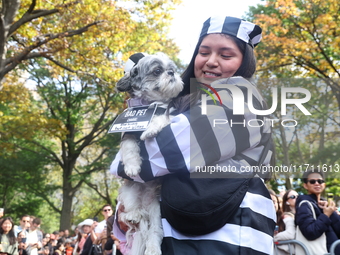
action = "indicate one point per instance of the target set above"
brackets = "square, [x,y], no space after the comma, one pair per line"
[134,72]
[157,72]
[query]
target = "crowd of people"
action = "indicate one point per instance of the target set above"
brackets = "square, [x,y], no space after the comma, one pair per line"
[26,238]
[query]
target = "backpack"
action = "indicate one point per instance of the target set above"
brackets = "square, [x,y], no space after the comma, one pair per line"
[198,206]
[188,206]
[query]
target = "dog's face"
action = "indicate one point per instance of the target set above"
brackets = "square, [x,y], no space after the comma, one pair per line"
[154,78]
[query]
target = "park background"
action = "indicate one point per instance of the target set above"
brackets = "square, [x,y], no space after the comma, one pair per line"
[60,61]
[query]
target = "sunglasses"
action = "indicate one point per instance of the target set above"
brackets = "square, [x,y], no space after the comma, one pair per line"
[313,181]
[292,197]
[107,210]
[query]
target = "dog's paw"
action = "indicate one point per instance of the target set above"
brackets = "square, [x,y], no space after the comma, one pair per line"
[133,217]
[149,134]
[132,170]
[152,249]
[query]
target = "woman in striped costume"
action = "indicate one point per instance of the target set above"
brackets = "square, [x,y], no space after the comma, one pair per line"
[211,136]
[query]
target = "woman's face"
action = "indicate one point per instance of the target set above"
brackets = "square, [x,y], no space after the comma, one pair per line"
[62,247]
[6,226]
[21,235]
[291,198]
[218,57]
[86,229]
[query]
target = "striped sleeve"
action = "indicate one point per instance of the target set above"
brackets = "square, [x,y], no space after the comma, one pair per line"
[195,139]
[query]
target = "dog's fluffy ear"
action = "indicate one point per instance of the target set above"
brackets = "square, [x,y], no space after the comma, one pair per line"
[124,84]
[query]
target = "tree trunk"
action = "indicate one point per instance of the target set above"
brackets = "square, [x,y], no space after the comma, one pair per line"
[68,192]
[286,160]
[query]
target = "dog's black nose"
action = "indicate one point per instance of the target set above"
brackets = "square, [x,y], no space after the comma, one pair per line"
[171,73]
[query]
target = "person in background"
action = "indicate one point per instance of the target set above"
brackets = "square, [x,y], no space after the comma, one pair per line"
[25,223]
[286,225]
[66,233]
[277,208]
[8,243]
[59,249]
[100,231]
[68,247]
[85,227]
[289,201]
[75,236]
[57,236]
[61,236]
[47,243]
[46,250]
[52,243]
[22,245]
[327,220]
[78,242]
[34,237]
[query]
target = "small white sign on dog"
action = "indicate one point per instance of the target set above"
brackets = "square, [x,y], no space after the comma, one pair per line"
[133,119]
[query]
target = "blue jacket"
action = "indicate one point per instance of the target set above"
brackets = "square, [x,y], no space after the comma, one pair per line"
[312,228]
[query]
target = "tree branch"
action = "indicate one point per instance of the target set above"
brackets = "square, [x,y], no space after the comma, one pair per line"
[31,15]
[26,53]
[59,64]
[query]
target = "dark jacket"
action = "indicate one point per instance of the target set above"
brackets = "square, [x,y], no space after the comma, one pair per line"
[87,246]
[313,229]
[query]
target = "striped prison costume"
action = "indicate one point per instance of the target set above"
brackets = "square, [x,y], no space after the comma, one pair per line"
[192,140]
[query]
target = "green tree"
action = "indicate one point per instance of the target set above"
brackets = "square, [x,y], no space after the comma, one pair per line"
[75,100]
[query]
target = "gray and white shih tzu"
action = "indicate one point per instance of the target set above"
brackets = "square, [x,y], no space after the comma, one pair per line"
[153,80]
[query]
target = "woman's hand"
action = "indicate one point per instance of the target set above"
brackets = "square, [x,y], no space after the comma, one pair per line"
[22,246]
[94,225]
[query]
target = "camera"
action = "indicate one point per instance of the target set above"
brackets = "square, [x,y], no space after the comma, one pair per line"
[330,197]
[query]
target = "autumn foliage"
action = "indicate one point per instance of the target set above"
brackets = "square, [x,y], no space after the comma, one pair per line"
[301,39]
[60,61]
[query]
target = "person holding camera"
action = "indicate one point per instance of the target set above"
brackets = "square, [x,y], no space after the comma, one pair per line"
[22,244]
[315,217]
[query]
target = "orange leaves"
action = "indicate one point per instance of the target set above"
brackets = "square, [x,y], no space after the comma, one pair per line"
[72,33]
[301,32]
[287,8]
